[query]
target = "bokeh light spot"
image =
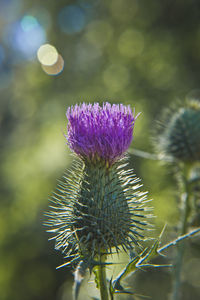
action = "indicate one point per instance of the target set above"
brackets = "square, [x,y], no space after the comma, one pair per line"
[28,23]
[47,55]
[26,36]
[116,77]
[131,43]
[72,19]
[99,33]
[56,68]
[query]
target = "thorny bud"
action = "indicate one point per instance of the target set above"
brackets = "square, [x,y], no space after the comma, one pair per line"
[98,206]
[178,137]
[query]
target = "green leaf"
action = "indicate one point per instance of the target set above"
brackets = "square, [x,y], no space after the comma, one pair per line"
[137,262]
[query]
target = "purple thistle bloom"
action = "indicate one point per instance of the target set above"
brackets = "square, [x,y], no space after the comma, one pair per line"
[100,132]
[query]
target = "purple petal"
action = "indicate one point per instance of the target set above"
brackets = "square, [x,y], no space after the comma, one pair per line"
[105,132]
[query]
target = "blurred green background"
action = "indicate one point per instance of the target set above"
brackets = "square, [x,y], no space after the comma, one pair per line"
[142,53]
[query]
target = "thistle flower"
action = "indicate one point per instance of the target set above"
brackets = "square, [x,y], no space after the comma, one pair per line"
[98,207]
[104,132]
[179,135]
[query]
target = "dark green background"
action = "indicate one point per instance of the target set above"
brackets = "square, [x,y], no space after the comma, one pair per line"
[143,53]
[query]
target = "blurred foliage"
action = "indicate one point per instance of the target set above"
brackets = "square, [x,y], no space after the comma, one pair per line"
[142,53]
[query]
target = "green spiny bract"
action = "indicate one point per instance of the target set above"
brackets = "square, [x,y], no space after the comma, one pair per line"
[98,208]
[179,136]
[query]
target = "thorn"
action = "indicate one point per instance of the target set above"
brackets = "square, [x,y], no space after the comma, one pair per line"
[63,265]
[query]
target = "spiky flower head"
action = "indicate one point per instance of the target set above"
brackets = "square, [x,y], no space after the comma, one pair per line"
[98,206]
[103,132]
[178,137]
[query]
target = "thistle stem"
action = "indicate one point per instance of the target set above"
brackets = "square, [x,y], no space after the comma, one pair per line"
[101,270]
[147,155]
[185,208]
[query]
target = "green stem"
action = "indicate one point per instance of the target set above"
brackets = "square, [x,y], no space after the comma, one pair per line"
[101,270]
[185,208]
[148,155]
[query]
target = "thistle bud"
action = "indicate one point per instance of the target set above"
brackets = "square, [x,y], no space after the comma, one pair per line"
[179,136]
[98,207]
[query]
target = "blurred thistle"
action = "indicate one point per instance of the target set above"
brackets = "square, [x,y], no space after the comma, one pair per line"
[98,206]
[178,140]
[178,136]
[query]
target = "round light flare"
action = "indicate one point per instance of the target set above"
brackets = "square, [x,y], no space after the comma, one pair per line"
[72,19]
[24,37]
[28,23]
[47,55]
[116,77]
[131,43]
[99,33]
[56,68]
